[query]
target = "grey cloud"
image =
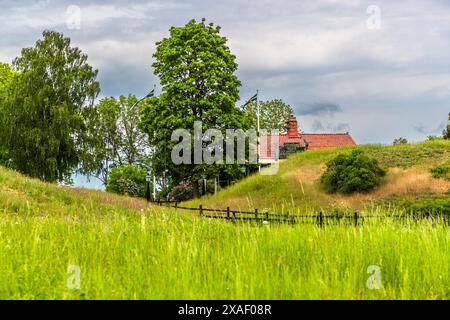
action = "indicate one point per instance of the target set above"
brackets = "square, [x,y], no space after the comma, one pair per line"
[320,108]
[426,130]
[319,127]
[299,51]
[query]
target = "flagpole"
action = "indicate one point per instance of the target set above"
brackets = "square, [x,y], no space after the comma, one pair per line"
[257,130]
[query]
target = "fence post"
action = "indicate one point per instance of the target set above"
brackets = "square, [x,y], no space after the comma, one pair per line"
[267,216]
[200,209]
[355,217]
[320,219]
[176,205]
[228,213]
[256,214]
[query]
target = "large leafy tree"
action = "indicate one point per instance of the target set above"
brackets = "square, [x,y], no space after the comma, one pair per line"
[6,78]
[113,137]
[274,114]
[46,110]
[196,71]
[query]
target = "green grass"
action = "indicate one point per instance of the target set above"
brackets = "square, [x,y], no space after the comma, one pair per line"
[296,186]
[126,250]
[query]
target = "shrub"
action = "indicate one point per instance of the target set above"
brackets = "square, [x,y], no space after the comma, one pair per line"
[441,172]
[182,192]
[437,206]
[433,138]
[128,180]
[349,173]
[400,141]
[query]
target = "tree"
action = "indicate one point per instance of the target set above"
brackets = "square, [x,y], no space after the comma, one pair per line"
[446,132]
[113,137]
[274,114]
[196,71]
[349,173]
[46,112]
[400,141]
[128,180]
[6,78]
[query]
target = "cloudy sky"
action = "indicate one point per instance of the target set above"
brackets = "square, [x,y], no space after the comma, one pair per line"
[378,69]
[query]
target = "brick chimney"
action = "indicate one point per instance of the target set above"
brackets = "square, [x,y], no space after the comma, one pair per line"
[292,128]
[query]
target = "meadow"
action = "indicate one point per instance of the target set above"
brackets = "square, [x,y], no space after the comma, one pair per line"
[127,250]
[296,186]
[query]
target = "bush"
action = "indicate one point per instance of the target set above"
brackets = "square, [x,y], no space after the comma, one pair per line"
[432,207]
[128,180]
[349,173]
[400,141]
[441,172]
[182,192]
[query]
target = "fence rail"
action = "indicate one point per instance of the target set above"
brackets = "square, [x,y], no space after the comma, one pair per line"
[320,219]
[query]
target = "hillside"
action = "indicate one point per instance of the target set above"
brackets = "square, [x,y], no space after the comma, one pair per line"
[126,249]
[296,186]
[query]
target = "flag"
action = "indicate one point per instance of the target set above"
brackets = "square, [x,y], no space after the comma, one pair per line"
[252,99]
[149,95]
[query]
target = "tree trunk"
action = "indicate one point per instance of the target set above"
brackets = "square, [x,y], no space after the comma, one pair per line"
[195,187]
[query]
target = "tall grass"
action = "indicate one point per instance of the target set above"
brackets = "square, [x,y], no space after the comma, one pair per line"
[126,250]
[163,254]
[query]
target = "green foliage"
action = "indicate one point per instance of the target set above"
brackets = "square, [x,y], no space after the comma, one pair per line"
[433,138]
[441,171]
[406,156]
[274,114]
[129,180]
[45,125]
[182,192]
[6,78]
[125,253]
[113,137]
[400,141]
[196,70]
[446,132]
[432,206]
[349,173]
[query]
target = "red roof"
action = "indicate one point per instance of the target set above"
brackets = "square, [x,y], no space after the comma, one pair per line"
[316,141]
[327,140]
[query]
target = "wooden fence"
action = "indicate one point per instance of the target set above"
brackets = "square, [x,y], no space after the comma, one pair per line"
[320,219]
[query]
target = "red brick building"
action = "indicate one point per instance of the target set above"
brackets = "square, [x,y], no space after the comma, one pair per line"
[294,141]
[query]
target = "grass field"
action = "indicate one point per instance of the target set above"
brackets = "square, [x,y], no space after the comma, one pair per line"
[296,186]
[126,250]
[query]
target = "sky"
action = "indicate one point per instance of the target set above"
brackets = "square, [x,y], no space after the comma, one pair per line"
[377,69]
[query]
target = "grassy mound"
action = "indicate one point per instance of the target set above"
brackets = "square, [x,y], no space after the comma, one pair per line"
[126,250]
[296,186]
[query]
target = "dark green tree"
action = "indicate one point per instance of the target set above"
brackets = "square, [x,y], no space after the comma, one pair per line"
[6,79]
[400,141]
[274,114]
[196,71]
[113,137]
[446,133]
[45,120]
[128,180]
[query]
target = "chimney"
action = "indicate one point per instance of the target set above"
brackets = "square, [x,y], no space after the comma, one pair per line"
[292,128]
